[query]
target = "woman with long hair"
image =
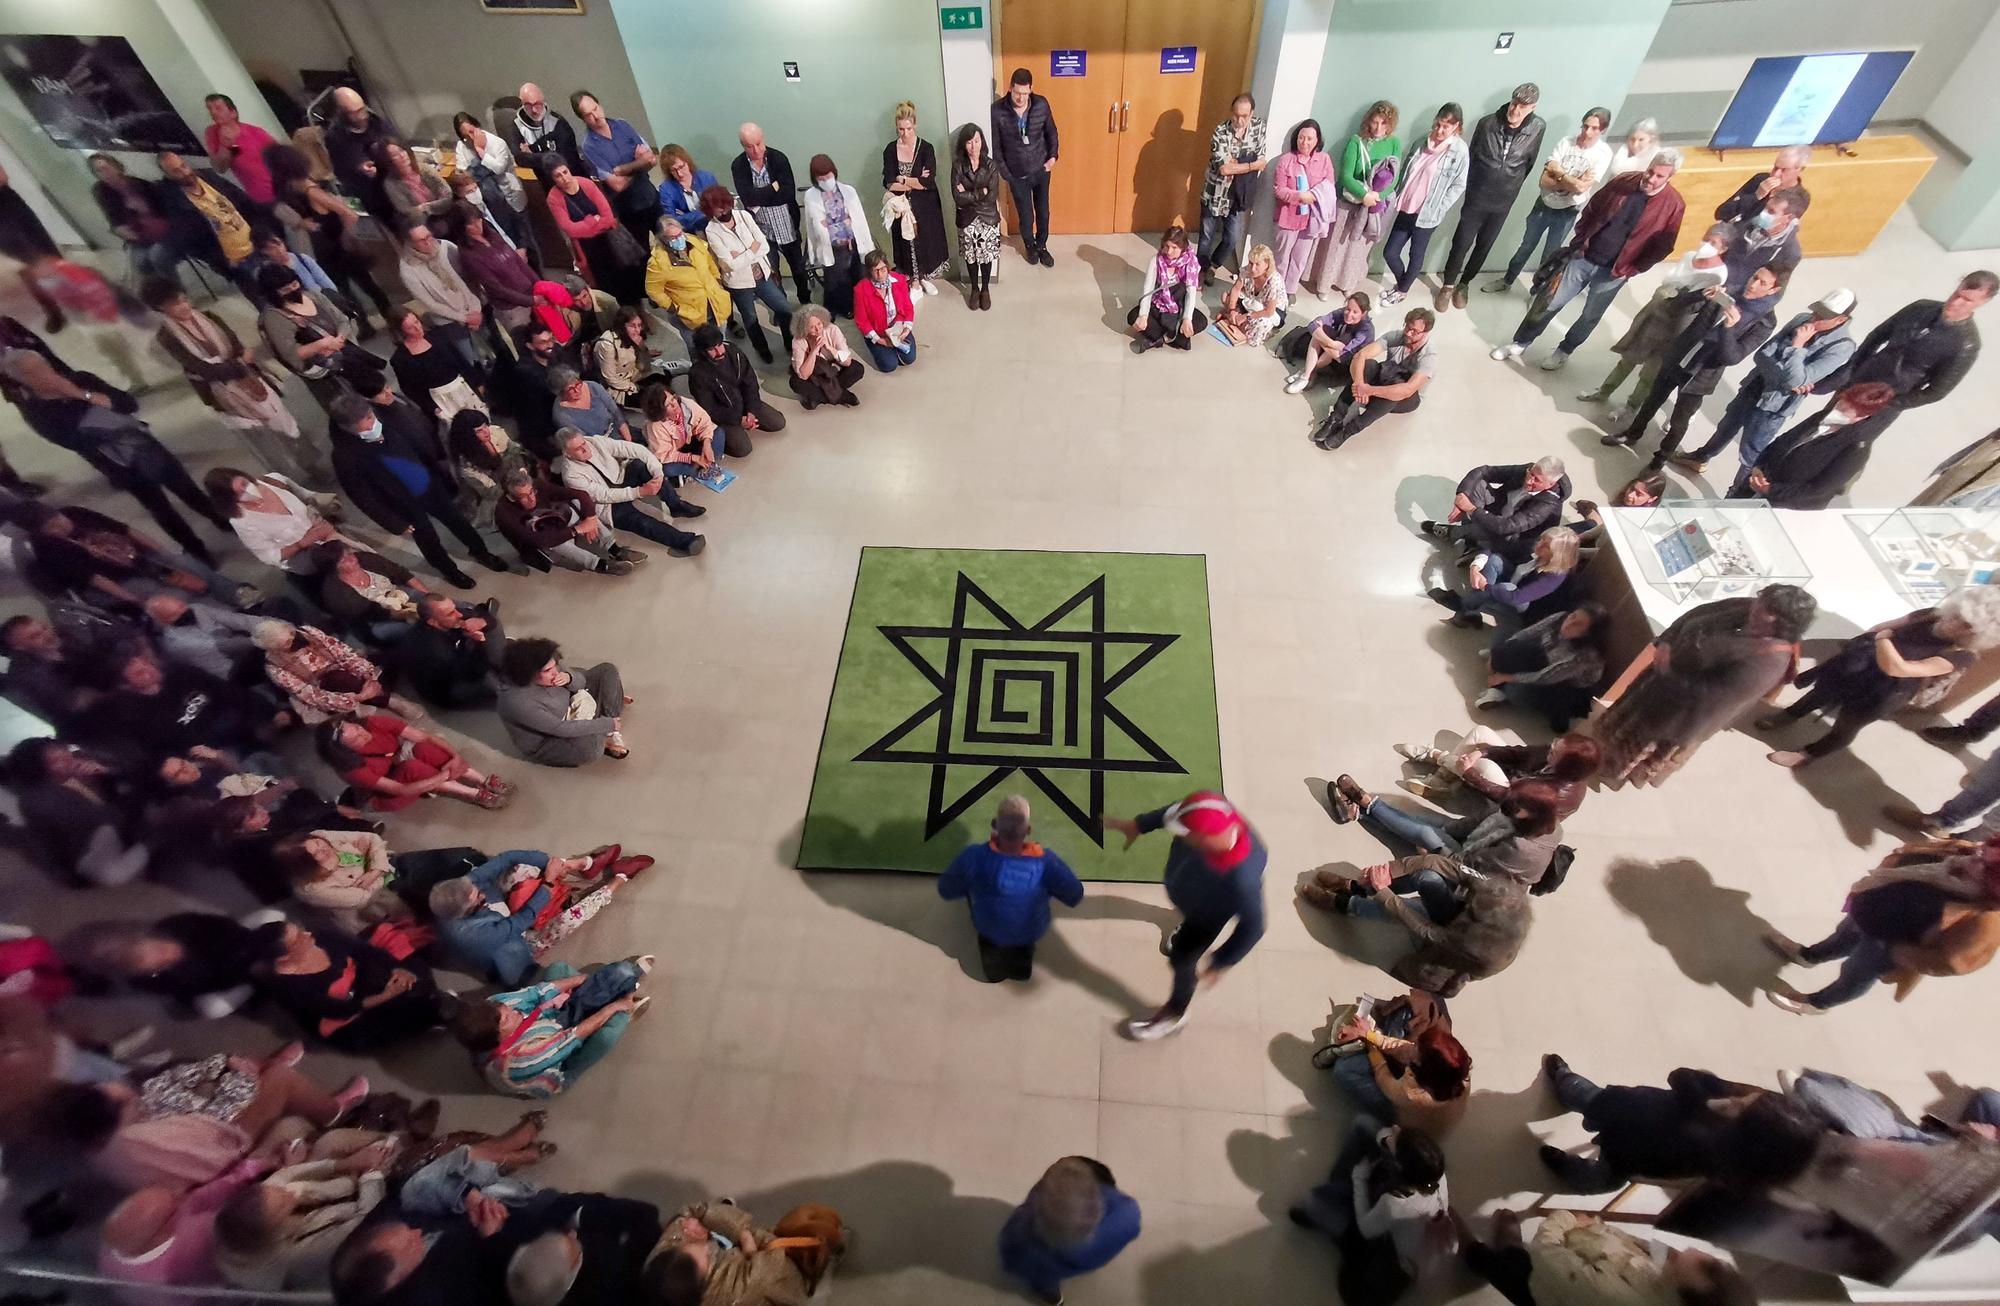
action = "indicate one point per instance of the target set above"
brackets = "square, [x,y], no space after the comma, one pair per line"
[625,362]
[1370,167]
[1169,307]
[327,224]
[482,454]
[975,190]
[1255,301]
[414,190]
[910,171]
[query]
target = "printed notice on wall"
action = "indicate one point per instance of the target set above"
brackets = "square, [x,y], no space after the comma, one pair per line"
[1066,63]
[1177,58]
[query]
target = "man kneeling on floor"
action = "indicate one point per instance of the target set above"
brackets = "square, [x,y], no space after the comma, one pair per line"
[1009,881]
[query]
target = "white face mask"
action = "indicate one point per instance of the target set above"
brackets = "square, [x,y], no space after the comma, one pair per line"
[1705,250]
[248,494]
[372,433]
[1838,417]
[828,183]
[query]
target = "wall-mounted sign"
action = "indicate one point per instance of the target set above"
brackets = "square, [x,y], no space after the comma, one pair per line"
[1177,58]
[1067,63]
[791,70]
[93,93]
[961,18]
[1504,43]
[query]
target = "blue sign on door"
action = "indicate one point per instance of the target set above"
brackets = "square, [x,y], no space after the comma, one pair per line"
[1066,63]
[1177,58]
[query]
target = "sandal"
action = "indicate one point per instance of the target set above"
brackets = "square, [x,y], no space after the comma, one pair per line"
[490,800]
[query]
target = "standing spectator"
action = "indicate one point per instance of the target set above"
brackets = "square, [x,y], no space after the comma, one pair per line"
[1504,146]
[909,170]
[209,215]
[1802,353]
[1370,167]
[1966,479]
[623,160]
[824,368]
[1387,376]
[402,486]
[1024,141]
[1169,307]
[975,192]
[1214,875]
[316,218]
[451,310]
[1628,226]
[415,191]
[225,376]
[543,131]
[1719,659]
[351,136]
[1302,183]
[1915,915]
[437,379]
[682,278]
[1966,809]
[552,524]
[1229,191]
[1769,238]
[724,384]
[559,717]
[1330,338]
[1746,201]
[1723,333]
[1817,460]
[484,158]
[836,234]
[1434,173]
[742,253]
[616,267]
[884,315]
[1642,141]
[133,209]
[1925,348]
[1576,167]
[1660,321]
[766,187]
[1008,881]
[1075,1220]
[308,333]
[616,474]
[680,198]
[25,239]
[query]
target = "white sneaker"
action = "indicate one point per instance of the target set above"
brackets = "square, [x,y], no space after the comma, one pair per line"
[1295,383]
[1507,353]
[1491,698]
[1415,752]
[927,287]
[1555,362]
[1785,1002]
[1147,1031]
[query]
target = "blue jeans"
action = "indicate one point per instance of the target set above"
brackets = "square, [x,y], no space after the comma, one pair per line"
[439,1189]
[1853,1110]
[1220,234]
[1425,829]
[1356,1075]
[1757,427]
[1330,1206]
[1548,228]
[600,989]
[746,301]
[1863,963]
[1980,794]
[889,357]
[1404,233]
[1580,277]
[1433,892]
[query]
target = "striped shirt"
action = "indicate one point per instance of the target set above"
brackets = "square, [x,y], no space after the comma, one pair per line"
[529,1061]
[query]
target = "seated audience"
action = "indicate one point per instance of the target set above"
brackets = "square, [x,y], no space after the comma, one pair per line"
[1485,918]
[725,385]
[1380,1205]
[1008,881]
[536,1041]
[80,816]
[824,368]
[1576,1252]
[1511,593]
[585,406]
[558,717]
[198,959]
[281,1232]
[1333,337]
[884,315]
[1397,1061]
[391,764]
[51,673]
[162,1235]
[344,873]
[489,915]
[323,677]
[1552,668]
[206,636]
[1504,508]
[169,710]
[553,525]
[625,362]
[373,596]
[352,994]
[681,277]
[715,1252]
[1515,838]
[452,654]
[482,454]
[678,432]
[1388,375]
[279,521]
[1074,1221]
[1642,491]
[1255,302]
[1169,307]
[1818,460]
[616,474]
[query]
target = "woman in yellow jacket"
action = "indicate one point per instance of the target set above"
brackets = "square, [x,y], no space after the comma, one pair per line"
[682,278]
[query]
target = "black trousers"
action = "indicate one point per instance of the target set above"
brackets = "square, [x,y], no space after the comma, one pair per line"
[1471,242]
[812,395]
[1344,421]
[150,479]
[438,505]
[793,252]
[1826,694]
[841,276]
[1002,963]
[1031,201]
[628,517]
[1166,327]
[736,438]
[1671,381]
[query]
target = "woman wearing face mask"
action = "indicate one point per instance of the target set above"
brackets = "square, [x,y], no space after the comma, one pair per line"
[683,279]
[743,253]
[837,235]
[1817,460]
[307,333]
[1643,347]
[884,315]
[909,169]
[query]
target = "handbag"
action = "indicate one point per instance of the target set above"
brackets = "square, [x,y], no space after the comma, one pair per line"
[1558,871]
[813,1237]
[624,247]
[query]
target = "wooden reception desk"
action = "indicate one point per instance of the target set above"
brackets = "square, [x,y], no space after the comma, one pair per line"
[1852,198]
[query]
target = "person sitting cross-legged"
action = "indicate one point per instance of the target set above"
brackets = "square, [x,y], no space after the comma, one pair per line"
[449,658]
[1386,1190]
[1514,839]
[1328,339]
[1008,880]
[489,916]
[1504,508]
[536,1041]
[1512,593]
[724,383]
[556,716]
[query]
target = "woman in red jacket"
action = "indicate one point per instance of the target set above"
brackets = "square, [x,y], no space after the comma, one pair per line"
[884,315]
[580,209]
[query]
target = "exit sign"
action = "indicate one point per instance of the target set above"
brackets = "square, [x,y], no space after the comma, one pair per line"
[964,18]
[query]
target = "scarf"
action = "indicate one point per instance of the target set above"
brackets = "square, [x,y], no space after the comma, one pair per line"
[245,396]
[1168,274]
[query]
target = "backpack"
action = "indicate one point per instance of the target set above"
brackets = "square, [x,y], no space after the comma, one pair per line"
[1552,878]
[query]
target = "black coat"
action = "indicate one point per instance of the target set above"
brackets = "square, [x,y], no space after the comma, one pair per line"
[1808,472]
[1021,160]
[725,390]
[1513,534]
[191,234]
[1708,347]
[1744,204]
[1917,352]
[784,187]
[1501,160]
[560,141]
[447,666]
[373,486]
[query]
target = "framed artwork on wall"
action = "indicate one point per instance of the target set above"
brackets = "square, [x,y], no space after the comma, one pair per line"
[532,6]
[93,93]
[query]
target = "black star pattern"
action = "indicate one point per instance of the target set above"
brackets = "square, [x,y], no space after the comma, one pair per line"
[1039,659]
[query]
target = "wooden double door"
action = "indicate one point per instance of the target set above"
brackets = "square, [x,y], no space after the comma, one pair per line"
[1134,129]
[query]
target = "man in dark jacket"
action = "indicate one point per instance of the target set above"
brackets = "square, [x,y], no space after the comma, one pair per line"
[208,216]
[1816,460]
[1024,144]
[1504,509]
[1504,146]
[528,392]
[1786,172]
[1925,349]
[351,137]
[401,486]
[1723,333]
[725,385]
[1769,238]
[765,186]
[1796,361]
[450,657]
[538,129]
[1215,874]
[1629,225]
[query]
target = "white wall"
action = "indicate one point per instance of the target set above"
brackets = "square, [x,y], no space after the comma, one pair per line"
[1702,51]
[968,75]
[1962,110]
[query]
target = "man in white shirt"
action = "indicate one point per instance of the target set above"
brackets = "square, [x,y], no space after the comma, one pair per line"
[1575,169]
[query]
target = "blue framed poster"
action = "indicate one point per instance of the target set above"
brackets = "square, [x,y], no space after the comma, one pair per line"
[1067,63]
[1177,58]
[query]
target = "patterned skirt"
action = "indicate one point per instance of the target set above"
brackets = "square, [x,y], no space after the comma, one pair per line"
[979,241]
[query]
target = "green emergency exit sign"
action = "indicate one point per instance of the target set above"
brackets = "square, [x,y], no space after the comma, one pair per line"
[962,19]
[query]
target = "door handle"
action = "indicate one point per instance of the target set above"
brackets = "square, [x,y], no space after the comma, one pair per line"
[1114,116]
[1125,118]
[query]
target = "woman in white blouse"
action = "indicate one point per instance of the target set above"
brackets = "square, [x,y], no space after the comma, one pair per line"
[743,256]
[275,517]
[484,156]
[1642,141]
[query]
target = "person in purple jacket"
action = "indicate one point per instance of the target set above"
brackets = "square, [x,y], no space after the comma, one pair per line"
[1009,881]
[1074,1221]
[1509,592]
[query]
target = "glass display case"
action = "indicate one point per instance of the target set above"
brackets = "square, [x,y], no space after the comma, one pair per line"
[1929,553]
[1698,550]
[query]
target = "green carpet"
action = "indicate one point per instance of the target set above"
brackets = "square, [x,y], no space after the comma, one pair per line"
[1082,681]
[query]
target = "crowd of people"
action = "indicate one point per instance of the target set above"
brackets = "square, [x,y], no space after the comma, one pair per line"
[524,410]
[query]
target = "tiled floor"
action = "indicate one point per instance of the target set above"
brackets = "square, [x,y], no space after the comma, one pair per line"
[819,1036]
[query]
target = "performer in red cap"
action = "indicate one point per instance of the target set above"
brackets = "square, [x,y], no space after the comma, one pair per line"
[1215,874]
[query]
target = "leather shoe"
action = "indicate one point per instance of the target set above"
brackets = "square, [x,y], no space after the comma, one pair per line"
[685,509]
[603,857]
[630,866]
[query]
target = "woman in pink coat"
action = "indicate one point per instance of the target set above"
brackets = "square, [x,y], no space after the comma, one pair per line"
[1302,177]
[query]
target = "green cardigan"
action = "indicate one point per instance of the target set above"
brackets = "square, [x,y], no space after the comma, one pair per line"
[1358,161]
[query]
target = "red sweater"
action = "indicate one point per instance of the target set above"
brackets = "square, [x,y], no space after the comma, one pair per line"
[870,318]
[1653,239]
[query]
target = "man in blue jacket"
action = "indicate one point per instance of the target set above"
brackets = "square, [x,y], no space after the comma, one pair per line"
[1215,874]
[1074,1221]
[1009,882]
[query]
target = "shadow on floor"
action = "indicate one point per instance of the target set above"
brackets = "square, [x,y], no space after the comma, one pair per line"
[1459,651]
[1707,928]
[1118,283]
[1423,498]
[1841,782]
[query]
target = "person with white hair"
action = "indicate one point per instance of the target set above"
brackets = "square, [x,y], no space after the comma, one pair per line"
[1008,881]
[1881,671]
[591,1250]
[766,186]
[1511,588]
[1642,142]
[1504,508]
[1748,199]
